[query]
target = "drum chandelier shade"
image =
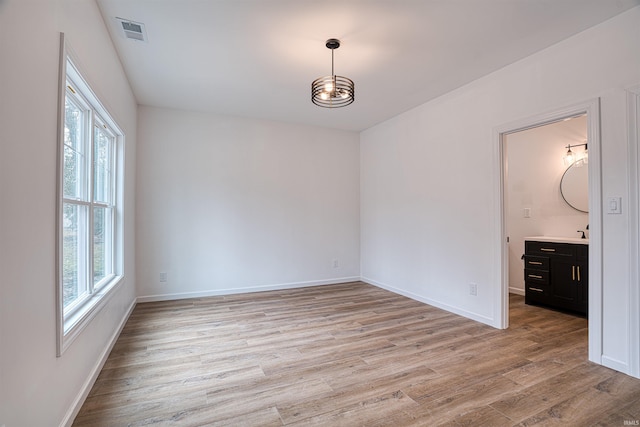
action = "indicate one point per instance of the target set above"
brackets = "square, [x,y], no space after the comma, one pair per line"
[332,91]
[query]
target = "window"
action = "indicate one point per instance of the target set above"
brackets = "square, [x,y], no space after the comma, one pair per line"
[90,238]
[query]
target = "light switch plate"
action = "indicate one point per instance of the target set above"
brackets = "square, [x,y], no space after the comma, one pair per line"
[614,205]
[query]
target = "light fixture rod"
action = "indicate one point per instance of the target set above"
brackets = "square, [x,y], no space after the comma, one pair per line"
[332,73]
[569,147]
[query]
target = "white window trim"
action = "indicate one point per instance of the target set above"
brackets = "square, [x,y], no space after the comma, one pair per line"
[69,327]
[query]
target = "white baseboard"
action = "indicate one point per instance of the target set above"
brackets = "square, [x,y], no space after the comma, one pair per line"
[464,313]
[231,291]
[91,379]
[516,291]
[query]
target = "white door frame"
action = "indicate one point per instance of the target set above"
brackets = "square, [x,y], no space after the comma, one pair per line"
[633,108]
[592,109]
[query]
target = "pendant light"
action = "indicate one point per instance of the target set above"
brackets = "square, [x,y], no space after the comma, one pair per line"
[332,91]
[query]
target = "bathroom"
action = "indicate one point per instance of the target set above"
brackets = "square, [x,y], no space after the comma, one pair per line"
[540,184]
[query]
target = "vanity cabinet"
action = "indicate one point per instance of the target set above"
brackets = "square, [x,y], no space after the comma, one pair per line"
[556,275]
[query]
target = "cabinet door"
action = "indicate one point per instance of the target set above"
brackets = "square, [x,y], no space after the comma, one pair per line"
[583,286]
[564,284]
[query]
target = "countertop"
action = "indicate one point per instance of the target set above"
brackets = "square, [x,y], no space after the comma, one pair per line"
[553,239]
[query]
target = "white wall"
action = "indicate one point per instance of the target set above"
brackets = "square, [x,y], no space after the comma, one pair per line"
[429,178]
[37,388]
[235,205]
[535,169]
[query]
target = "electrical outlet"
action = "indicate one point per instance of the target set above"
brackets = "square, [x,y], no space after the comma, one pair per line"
[163,276]
[336,264]
[473,289]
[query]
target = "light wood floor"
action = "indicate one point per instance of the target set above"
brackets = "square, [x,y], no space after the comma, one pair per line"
[351,355]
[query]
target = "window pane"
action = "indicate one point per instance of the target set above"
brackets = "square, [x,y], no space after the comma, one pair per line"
[73,150]
[102,166]
[73,252]
[102,243]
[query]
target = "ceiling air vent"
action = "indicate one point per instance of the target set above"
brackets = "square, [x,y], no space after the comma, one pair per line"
[133,30]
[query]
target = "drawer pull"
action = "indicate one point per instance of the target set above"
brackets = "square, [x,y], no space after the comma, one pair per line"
[573,272]
[548,249]
[536,289]
[578,273]
[535,263]
[535,276]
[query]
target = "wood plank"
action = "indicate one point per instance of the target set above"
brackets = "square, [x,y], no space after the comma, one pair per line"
[361,413]
[545,394]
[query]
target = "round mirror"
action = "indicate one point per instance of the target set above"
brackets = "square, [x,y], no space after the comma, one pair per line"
[574,187]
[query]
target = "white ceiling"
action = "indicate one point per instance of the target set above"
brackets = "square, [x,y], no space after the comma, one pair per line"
[257,58]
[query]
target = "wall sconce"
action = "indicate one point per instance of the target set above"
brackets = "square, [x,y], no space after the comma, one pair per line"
[578,160]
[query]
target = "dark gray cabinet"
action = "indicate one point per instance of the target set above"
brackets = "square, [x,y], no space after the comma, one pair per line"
[556,275]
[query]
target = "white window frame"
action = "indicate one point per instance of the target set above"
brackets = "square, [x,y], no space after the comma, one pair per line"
[71,320]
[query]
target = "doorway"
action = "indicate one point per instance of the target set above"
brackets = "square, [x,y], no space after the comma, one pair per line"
[591,116]
[546,191]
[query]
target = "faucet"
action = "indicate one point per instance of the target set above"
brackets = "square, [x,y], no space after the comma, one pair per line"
[581,231]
